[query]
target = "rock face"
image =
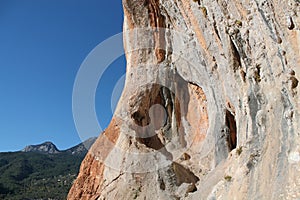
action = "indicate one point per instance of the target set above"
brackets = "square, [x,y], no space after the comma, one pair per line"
[210,108]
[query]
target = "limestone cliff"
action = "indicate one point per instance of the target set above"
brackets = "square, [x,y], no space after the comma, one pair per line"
[210,108]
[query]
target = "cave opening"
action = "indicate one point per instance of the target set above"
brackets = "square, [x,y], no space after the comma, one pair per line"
[232,135]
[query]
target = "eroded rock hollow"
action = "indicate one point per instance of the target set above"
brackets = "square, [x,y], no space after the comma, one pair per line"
[210,108]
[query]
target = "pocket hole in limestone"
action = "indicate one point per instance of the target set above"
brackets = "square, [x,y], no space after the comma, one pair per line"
[232,135]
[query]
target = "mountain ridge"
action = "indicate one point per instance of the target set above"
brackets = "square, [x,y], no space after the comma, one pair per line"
[50,148]
[40,171]
[45,147]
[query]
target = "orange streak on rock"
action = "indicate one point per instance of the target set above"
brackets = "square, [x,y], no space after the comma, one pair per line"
[241,9]
[88,184]
[195,25]
[197,113]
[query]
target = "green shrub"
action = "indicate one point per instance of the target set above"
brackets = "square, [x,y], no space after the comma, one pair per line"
[238,23]
[239,150]
[228,178]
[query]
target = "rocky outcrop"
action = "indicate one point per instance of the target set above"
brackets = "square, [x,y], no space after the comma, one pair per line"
[210,108]
[46,147]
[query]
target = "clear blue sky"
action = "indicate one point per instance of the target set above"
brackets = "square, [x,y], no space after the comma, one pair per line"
[42,45]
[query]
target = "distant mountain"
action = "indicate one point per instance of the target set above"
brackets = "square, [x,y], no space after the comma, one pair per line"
[50,148]
[46,147]
[41,171]
[82,148]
